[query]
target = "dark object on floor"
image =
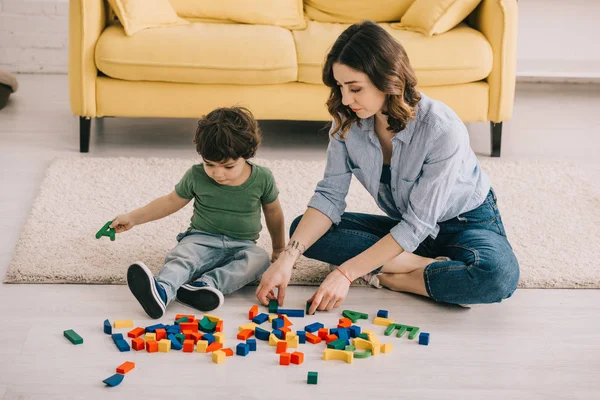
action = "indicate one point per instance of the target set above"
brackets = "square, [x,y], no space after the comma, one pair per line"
[8,85]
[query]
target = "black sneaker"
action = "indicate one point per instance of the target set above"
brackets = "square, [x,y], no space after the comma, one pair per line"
[146,289]
[200,296]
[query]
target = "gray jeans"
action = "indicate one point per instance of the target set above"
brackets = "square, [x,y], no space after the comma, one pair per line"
[220,261]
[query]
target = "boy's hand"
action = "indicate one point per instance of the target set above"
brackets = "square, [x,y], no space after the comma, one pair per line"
[277,276]
[122,223]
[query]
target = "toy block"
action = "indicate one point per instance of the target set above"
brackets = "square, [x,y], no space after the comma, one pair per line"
[402,329]
[297,358]
[363,344]
[253,312]
[344,323]
[286,322]
[279,334]
[152,346]
[73,336]
[272,317]
[363,336]
[245,334]
[107,327]
[190,317]
[285,358]
[285,330]
[314,339]
[291,313]
[373,338]
[330,338]
[383,321]
[354,315]
[354,331]
[188,346]
[107,231]
[334,331]
[219,337]
[332,354]
[301,336]
[323,333]
[281,347]
[343,333]
[150,336]
[277,323]
[189,326]
[123,323]
[362,354]
[314,327]
[175,343]
[153,328]
[252,344]
[201,346]
[117,336]
[228,352]
[290,335]
[172,329]
[242,349]
[273,306]
[214,346]
[209,338]
[382,313]
[181,320]
[262,334]
[293,342]
[350,348]
[125,367]
[164,346]
[218,356]
[122,345]
[424,338]
[307,308]
[273,340]
[114,380]
[260,318]
[250,325]
[161,334]
[312,378]
[180,337]
[386,348]
[138,344]
[212,318]
[338,344]
[219,327]
[137,332]
[195,336]
[206,325]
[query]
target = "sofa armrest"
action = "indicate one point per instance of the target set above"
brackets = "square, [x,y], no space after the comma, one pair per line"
[87,20]
[497,20]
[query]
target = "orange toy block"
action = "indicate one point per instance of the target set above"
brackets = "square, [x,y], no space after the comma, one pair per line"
[161,334]
[314,339]
[253,312]
[285,329]
[195,336]
[245,334]
[138,344]
[284,358]
[189,326]
[323,332]
[188,346]
[281,347]
[137,332]
[219,327]
[330,338]
[152,346]
[228,352]
[214,346]
[286,321]
[189,317]
[297,358]
[344,323]
[125,367]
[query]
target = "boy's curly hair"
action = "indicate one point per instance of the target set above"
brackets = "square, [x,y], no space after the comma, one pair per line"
[227,133]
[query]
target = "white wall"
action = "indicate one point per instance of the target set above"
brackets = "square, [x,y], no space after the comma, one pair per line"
[557,38]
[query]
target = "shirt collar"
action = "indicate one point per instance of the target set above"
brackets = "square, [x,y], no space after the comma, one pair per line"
[405,135]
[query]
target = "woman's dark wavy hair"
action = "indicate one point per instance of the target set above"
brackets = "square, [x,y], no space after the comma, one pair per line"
[368,48]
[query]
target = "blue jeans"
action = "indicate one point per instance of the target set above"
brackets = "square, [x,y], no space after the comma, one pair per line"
[221,262]
[483,266]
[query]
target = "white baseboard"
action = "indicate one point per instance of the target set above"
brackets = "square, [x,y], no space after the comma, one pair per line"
[576,71]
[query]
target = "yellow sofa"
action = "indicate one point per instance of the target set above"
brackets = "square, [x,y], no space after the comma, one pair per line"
[187,70]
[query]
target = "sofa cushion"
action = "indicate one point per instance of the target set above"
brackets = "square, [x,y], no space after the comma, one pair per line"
[431,17]
[458,56]
[136,15]
[351,11]
[284,13]
[200,53]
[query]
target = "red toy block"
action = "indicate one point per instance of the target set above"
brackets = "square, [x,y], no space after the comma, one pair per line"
[344,323]
[228,352]
[152,346]
[286,321]
[314,339]
[245,334]
[285,330]
[138,344]
[330,338]
[125,367]
[188,346]
[189,317]
[219,327]
[284,358]
[281,347]
[323,332]
[195,336]
[297,358]
[189,326]
[253,312]
[214,346]
[137,332]
[161,334]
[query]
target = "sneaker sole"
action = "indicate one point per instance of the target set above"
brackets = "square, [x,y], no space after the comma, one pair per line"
[141,283]
[201,298]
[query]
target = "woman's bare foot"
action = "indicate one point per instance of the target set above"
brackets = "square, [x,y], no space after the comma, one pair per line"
[412,282]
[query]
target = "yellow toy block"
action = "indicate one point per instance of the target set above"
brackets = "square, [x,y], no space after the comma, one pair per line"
[363,344]
[123,323]
[164,345]
[219,337]
[212,318]
[273,340]
[333,354]
[272,317]
[386,348]
[372,337]
[218,356]
[149,336]
[290,335]
[293,342]
[201,346]
[383,321]
[250,325]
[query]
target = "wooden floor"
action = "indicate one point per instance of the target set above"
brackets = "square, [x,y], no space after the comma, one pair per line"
[540,344]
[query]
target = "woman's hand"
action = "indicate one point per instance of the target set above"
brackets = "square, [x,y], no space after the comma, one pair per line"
[276,276]
[122,223]
[331,293]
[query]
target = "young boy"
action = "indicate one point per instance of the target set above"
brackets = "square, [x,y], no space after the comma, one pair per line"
[218,254]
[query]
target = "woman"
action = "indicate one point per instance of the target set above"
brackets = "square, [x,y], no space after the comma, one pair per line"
[443,236]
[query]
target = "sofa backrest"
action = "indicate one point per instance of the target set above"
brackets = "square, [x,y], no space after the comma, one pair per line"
[351,11]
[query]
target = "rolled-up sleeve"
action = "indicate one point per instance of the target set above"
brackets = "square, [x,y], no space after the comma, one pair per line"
[429,195]
[330,193]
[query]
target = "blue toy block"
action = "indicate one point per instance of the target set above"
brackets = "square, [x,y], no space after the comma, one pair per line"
[173,329]
[291,313]
[122,345]
[382,313]
[153,328]
[251,344]
[261,334]
[209,337]
[260,318]
[313,327]
[114,380]
[277,323]
[117,336]
[242,349]
[354,331]
[279,334]
[175,343]
[343,333]
[333,331]
[301,336]
[107,327]
[424,338]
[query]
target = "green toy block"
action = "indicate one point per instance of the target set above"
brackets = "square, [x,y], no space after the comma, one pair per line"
[402,329]
[180,320]
[338,344]
[273,306]
[106,231]
[350,348]
[180,337]
[354,315]
[312,378]
[364,336]
[206,325]
[73,337]
[308,304]
[362,354]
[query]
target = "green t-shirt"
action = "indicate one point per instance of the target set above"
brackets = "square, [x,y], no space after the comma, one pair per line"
[228,210]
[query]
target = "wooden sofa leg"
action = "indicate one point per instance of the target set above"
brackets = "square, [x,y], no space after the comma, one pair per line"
[496,130]
[85,125]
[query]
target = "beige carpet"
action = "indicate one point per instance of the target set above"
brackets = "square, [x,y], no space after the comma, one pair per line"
[551,212]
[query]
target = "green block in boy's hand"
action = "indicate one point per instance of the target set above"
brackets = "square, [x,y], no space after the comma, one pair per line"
[106,231]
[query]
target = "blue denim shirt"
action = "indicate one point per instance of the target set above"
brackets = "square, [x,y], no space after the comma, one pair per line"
[435,174]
